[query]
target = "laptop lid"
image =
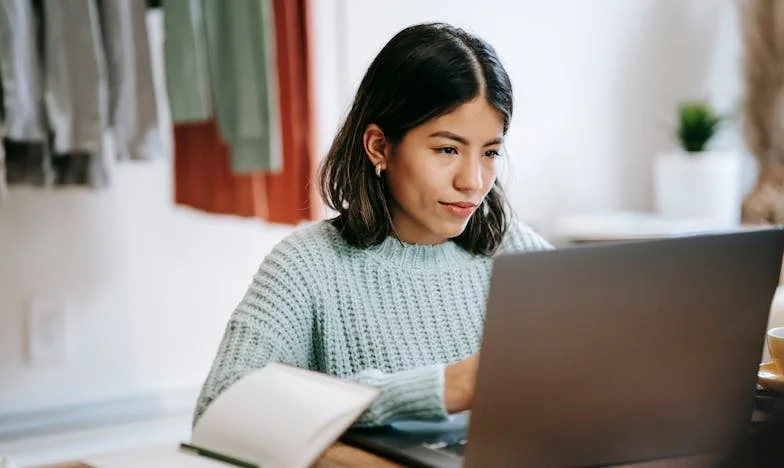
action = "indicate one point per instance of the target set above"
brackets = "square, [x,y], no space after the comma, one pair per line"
[616,353]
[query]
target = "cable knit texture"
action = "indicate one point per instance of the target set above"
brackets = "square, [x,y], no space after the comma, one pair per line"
[392,316]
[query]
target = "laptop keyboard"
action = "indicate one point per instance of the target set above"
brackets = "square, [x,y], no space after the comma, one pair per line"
[456,447]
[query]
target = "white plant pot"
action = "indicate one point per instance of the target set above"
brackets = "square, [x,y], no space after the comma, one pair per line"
[704,186]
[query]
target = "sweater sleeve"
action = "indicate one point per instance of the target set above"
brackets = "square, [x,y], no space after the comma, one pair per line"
[272,323]
[410,394]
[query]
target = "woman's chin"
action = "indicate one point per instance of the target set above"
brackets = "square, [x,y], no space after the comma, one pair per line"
[452,230]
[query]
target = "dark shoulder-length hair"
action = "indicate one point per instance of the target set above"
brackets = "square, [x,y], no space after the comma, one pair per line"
[423,72]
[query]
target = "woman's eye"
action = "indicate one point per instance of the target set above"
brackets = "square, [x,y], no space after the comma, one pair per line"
[492,154]
[448,150]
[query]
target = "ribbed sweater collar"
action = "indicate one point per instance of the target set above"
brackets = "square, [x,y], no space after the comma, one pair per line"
[407,255]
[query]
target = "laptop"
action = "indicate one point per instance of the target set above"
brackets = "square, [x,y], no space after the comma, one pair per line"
[609,354]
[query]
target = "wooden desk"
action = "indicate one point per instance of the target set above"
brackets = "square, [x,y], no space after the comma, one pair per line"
[761,449]
[338,456]
[344,456]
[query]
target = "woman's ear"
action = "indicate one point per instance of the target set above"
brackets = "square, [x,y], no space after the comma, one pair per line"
[376,145]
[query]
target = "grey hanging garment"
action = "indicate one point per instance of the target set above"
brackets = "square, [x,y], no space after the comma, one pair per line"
[133,113]
[24,128]
[75,90]
[20,67]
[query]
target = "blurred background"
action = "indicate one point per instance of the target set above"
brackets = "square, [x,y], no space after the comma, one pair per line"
[156,151]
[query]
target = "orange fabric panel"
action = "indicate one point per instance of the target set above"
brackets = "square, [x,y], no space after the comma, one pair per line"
[203,179]
[289,191]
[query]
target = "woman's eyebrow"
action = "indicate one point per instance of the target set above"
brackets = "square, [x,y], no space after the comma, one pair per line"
[461,140]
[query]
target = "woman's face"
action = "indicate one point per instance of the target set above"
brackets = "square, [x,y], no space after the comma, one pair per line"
[441,171]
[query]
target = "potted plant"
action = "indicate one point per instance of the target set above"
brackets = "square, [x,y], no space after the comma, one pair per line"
[694,181]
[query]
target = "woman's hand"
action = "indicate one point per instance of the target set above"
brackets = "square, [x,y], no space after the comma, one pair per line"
[459,380]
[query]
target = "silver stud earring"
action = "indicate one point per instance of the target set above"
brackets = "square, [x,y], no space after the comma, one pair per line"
[379,168]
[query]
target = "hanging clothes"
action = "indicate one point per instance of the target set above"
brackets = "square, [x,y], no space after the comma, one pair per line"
[185,56]
[20,67]
[2,98]
[238,84]
[293,189]
[22,80]
[240,51]
[75,91]
[71,71]
[3,185]
[220,63]
[203,178]
[133,111]
[75,75]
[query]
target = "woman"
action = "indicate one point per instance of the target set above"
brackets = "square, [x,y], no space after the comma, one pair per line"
[391,293]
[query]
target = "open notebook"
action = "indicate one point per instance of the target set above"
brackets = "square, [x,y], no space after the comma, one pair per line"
[278,416]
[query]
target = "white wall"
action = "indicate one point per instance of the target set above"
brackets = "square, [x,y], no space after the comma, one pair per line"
[596,84]
[151,284]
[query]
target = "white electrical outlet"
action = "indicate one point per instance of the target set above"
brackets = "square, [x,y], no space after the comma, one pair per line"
[48,340]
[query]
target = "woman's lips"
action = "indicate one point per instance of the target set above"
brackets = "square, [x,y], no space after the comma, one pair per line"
[459,209]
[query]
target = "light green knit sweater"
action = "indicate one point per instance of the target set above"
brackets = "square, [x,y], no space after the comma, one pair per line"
[391,316]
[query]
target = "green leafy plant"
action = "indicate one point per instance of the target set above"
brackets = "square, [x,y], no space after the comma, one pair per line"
[698,123]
